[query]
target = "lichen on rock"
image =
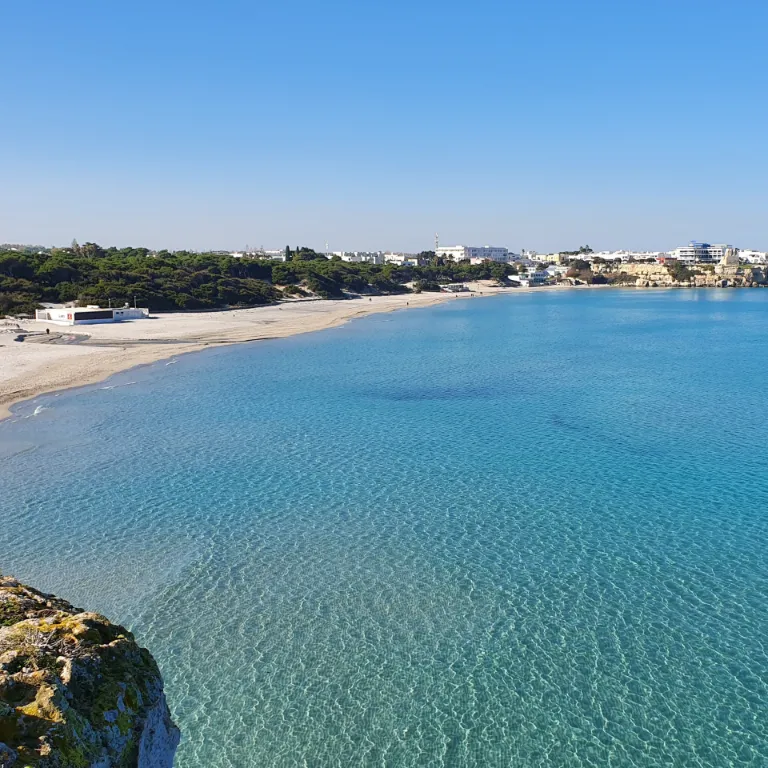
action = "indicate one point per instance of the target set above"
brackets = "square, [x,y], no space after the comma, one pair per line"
[76,691]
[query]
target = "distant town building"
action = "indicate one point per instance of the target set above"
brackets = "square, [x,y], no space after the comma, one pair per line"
[700,253]
[534,257]
[625,256]
[476,260]
[753,257]
[535,276]
[511,259]
[484,253]
[531,257]
[556,270]
[275,255]
[360,257]
[402,259]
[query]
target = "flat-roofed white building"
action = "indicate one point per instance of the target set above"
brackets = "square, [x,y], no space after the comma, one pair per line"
[700,253]
[484,252]
[89,315]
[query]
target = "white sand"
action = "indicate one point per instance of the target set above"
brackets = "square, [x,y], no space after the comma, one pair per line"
[28,369]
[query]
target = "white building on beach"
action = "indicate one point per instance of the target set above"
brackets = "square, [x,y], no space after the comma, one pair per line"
[89,315]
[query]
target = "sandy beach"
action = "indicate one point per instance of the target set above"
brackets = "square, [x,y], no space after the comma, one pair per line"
[80,355]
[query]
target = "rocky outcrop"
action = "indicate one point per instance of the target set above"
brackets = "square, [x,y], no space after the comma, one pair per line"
[75,690]
[723,276]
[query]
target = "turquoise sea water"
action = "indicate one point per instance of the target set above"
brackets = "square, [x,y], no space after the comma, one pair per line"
[517,531]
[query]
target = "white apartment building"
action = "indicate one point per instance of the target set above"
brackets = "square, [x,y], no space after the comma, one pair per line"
[700,253]
[461,252]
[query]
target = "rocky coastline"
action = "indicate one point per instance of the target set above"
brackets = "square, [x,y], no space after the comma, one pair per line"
[721,276]
[76,691]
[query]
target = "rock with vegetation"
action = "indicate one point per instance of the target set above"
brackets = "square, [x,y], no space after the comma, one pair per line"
[677,275]
[76,691]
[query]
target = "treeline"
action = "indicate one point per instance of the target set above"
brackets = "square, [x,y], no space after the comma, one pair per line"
[184,280]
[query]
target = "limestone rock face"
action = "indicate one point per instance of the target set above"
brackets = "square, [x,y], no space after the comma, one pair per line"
[723,276]
[75,690]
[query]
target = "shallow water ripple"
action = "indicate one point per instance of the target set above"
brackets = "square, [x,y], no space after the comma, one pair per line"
[513,532]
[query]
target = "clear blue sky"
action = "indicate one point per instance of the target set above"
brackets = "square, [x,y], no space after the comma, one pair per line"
[542,124]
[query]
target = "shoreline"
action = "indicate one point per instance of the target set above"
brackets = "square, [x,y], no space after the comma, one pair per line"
[29,369]
[32,368]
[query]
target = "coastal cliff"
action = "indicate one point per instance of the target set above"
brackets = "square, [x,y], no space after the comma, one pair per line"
[75,690]
[721,276]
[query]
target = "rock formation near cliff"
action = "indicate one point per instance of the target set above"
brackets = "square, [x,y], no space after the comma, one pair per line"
[723,276]
[75,690]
